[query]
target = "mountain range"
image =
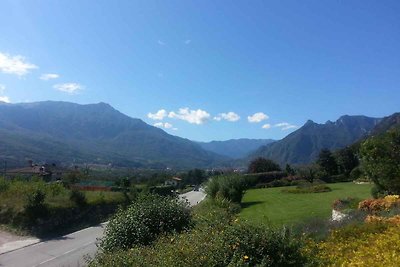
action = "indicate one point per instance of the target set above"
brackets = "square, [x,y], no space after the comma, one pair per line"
[303,145]
[235,148]
[69,133]
[95,133]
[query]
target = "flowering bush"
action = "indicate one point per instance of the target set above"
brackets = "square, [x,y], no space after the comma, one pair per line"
[370,244]
[375,206]
[378,219]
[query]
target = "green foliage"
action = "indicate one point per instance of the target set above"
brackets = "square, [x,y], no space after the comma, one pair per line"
[381,161]
[216,240]
[327,162]
[263,165]
[308,189]
[78,198]
[35,206]
[347,160]
[4,185]
[144,220]
[289,170]
[229,187]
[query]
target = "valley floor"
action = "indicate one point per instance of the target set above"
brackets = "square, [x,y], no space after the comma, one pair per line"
[271,205]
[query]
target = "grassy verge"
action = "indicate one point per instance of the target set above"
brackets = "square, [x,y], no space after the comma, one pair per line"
[272,206]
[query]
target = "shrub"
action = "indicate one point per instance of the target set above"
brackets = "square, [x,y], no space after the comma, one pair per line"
[4,184]
[309,189]
[376,206]
[345,204]
[381,161]
[144,220]
[35,207]
[230,187]
[217,243]
[368,244]
[78,197]
[260,164]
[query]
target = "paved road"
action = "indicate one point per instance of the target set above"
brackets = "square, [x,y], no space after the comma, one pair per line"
[68,250]
[65,251]
[194,197]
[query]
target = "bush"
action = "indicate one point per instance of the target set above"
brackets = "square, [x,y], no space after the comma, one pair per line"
[35,207]
[4,185]
[259,165]
[144,220]
[309,189]
[78,197]
[381,161]
[368,244]
[230,187]
[215,241]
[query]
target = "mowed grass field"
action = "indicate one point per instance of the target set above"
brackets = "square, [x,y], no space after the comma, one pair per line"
[272,206]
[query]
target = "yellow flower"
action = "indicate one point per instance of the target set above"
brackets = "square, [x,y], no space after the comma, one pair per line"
[245,258]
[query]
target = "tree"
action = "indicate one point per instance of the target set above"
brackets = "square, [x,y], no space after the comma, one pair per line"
[327,162]
[289,170]
[196,176]
[381,161]
[347,160]
[263,165]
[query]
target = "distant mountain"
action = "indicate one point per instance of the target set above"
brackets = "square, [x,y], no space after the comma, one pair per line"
[303,145]
[235,148]
[96,133]
[387,123]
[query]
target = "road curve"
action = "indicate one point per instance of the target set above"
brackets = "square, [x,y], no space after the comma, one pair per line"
[68,250]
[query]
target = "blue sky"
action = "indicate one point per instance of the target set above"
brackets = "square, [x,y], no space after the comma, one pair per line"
[209,66]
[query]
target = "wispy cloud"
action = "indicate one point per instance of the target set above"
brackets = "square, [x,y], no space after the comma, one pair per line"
[70,88]
[165,125]
[266,126]
[159,115]
[3,98]
[49,76]
[191,116]
[285,126]
[230,116]
[15,64]
[161,42]
[188,41]
[257,117]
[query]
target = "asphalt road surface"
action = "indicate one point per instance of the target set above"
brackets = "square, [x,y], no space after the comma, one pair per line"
[68,250]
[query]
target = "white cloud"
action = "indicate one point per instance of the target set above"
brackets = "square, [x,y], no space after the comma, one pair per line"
[285,126]
[266,126]
[257,117]
[159,115]
[49,76]
[187,41]
[192,116]
[5,99]
[160,42]
[15,64]
[164,125]
[70,88]
[230,116]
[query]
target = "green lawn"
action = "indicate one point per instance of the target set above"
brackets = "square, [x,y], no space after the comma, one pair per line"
[271,205]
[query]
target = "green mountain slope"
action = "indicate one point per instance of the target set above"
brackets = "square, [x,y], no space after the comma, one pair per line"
[303,145]
[96,133]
